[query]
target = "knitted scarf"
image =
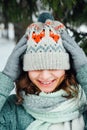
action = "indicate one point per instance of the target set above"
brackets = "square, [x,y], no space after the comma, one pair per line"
[53,111]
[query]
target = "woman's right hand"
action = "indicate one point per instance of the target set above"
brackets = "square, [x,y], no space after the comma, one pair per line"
[14,66]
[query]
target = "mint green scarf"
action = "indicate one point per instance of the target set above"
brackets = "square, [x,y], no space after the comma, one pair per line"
[53,108]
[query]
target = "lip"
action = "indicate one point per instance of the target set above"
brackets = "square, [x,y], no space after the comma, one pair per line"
[46,83]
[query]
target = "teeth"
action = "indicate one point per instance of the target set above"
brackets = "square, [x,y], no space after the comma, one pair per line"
[45,83]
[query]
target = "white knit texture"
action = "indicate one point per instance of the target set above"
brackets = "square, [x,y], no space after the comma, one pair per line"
[44,47]
[48,60]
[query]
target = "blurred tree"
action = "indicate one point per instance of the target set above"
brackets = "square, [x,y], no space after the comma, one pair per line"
[18,12]
[73,13]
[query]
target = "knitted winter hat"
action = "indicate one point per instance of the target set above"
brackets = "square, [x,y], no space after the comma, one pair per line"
[44,47]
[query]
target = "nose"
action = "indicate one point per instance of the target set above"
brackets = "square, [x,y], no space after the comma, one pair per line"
[44,74]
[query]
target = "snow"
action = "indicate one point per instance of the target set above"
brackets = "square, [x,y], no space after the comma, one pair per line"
[83,28]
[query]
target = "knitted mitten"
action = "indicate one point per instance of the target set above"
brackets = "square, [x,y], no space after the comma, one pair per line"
[78,55]
[13,67]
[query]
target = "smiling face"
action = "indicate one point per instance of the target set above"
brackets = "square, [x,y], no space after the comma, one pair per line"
[47,80]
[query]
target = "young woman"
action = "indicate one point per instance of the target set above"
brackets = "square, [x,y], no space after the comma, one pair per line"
[50,73]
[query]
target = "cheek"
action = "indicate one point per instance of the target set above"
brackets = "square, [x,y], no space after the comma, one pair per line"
[60,73]
[32,75]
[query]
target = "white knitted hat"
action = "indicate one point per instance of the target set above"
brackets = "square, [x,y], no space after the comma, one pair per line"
[44,47]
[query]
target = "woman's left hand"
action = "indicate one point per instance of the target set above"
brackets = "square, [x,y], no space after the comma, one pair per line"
[78,55]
